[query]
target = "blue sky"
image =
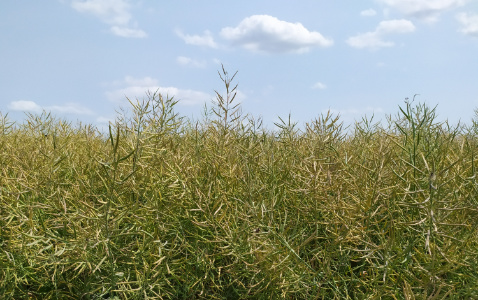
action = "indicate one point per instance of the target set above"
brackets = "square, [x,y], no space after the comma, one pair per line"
[81,59]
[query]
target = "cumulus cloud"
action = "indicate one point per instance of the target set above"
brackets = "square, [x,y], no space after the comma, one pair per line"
[319,86]
[426,10]
[136,88]
[115,13]
[31,106]
[469,23]
[368,13]
[263,33]
[374,39]
[205,40]
[187,61]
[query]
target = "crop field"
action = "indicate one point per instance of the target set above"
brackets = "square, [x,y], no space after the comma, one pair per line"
[164,207]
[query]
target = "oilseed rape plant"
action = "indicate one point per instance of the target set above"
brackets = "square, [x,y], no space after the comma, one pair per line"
[164,207]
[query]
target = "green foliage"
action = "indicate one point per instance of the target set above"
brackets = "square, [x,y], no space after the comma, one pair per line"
[165,208]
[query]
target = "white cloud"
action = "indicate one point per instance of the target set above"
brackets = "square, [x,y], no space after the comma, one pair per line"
[30,106]
[469,23]
[128,32]
[187,61]
[368,13]
[368,40]
[319,85]
[350,115]
[355,111]
[145,81]
[426,10]
[263,33]
[205,40]
[395,26]
[115,13]
[69,108]
[186,97]
[374,39]
[136,88]
[104,120]
[24,105]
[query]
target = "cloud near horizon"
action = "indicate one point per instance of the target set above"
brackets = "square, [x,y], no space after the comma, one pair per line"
[136,88]
[267,34]
[31,106]
[352,114]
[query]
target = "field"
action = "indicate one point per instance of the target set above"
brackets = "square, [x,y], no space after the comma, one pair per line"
[163,207]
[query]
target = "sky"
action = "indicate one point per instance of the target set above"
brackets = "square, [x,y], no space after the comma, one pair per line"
[82,59]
